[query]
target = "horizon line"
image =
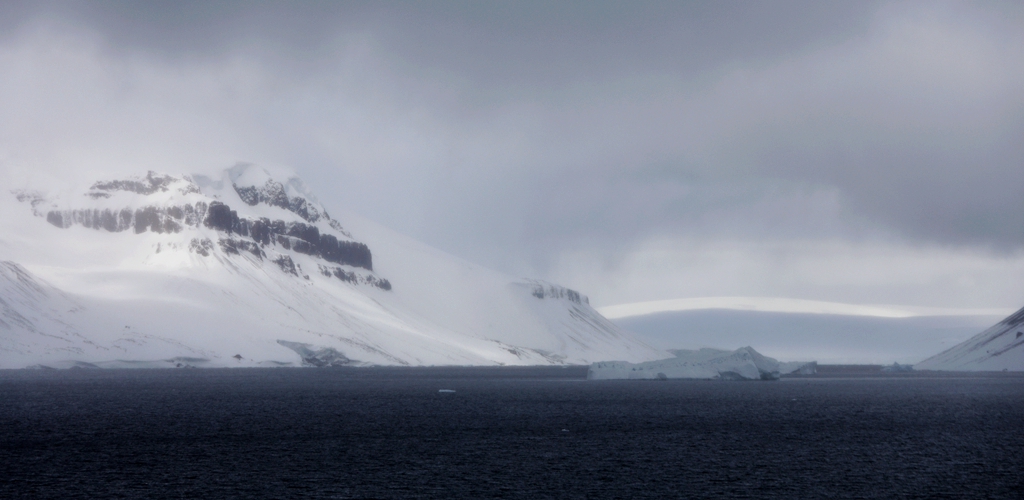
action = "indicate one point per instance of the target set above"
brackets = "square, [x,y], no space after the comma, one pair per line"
[789,305]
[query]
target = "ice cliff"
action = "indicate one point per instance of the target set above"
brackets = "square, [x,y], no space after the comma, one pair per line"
[742,364]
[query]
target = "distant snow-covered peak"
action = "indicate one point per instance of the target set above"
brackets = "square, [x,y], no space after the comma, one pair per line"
[273,220]
[544,290]
[244,267]
[251,191]
[258,186]
[250,175]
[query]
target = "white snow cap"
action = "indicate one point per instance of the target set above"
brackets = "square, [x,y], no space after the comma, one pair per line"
[249,175]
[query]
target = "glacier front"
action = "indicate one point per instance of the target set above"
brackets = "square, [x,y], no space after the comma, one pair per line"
[742,364]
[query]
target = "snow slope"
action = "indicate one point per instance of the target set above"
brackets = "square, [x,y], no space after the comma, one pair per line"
[1000,347]
[247,268]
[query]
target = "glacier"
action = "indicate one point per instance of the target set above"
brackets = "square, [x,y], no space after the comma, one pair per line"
[246,267]
[999,348]
[742,364]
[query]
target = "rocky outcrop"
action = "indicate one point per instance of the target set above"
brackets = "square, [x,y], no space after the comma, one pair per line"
[201,246]
[351,277]
[274,194]
[147,185]
[286,264]
[296,236]
[244,235]
[151,218]
[544,290]
[236,247]
[320,358]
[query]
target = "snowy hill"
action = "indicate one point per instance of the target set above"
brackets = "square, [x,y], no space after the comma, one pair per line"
[1001,347]
[247,268]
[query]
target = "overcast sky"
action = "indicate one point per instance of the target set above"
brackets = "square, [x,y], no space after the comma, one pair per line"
[864,152]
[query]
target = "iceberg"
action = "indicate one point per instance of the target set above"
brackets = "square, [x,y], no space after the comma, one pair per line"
[742,364]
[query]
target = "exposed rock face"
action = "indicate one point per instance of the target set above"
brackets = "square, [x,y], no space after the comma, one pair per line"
[245,235]
[147,185]
[320,358]
[151,218]
[351,277]
[296,236]
[286,265]
[236,247]
[273,193]
[201,246]
[543,290]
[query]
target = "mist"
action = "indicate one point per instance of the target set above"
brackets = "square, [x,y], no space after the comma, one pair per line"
[865,153]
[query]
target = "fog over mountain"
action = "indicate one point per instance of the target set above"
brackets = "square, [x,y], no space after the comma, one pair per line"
[855,152]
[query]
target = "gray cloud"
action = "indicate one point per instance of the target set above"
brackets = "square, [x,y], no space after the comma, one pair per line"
[513,133]
[532,43]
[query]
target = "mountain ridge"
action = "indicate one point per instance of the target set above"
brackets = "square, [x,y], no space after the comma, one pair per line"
[249,269]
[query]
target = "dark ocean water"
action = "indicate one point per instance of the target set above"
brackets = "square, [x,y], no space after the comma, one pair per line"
[505,433]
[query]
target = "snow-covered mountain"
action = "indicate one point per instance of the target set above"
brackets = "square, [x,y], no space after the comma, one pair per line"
[1001,347]
[246,268]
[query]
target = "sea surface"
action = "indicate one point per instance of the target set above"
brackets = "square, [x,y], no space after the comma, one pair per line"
[504,433]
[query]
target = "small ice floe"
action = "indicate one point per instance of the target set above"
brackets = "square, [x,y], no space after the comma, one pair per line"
[446,390]
[565,430]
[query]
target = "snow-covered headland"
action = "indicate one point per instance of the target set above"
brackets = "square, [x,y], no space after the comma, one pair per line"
[999,348]
[247,268]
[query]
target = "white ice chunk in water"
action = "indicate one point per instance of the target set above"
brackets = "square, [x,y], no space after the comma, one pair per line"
[742,364]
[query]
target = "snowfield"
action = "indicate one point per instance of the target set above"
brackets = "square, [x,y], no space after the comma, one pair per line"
[248,269]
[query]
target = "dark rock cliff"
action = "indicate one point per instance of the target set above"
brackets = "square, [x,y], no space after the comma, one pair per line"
[244,235]
[146,185]
[295,236]
[156,219]
[274,194]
